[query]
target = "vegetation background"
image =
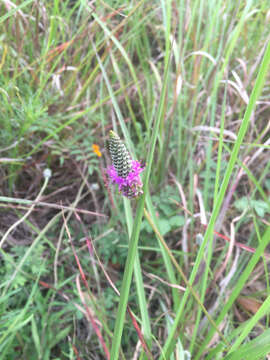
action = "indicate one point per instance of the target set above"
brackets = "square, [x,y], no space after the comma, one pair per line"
[186,85]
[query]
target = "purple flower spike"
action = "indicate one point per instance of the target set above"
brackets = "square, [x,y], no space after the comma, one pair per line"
[130,186]
[124,171]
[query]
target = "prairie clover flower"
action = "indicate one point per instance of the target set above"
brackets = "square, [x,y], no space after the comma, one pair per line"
[124,171]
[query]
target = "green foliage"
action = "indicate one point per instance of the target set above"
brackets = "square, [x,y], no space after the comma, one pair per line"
[110,299]
[113,248]
[210,173]
[180,82]
[259,206]
[79,148]
[34,265]
[167,217]
[256,349]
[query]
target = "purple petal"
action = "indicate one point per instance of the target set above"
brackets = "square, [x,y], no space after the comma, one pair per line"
[131,185]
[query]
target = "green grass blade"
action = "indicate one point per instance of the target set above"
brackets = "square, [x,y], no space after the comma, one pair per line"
[258,348]
[146,327]
[169,345]
[263,310]
[118,330]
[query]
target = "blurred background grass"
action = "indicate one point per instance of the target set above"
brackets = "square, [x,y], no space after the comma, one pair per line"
[70,72]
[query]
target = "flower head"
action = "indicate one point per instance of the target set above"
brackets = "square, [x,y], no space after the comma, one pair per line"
[96,150]
[124,172]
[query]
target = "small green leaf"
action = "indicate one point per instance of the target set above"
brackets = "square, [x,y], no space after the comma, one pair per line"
[177,221]
[260,207]
[164,226]
[242,203]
